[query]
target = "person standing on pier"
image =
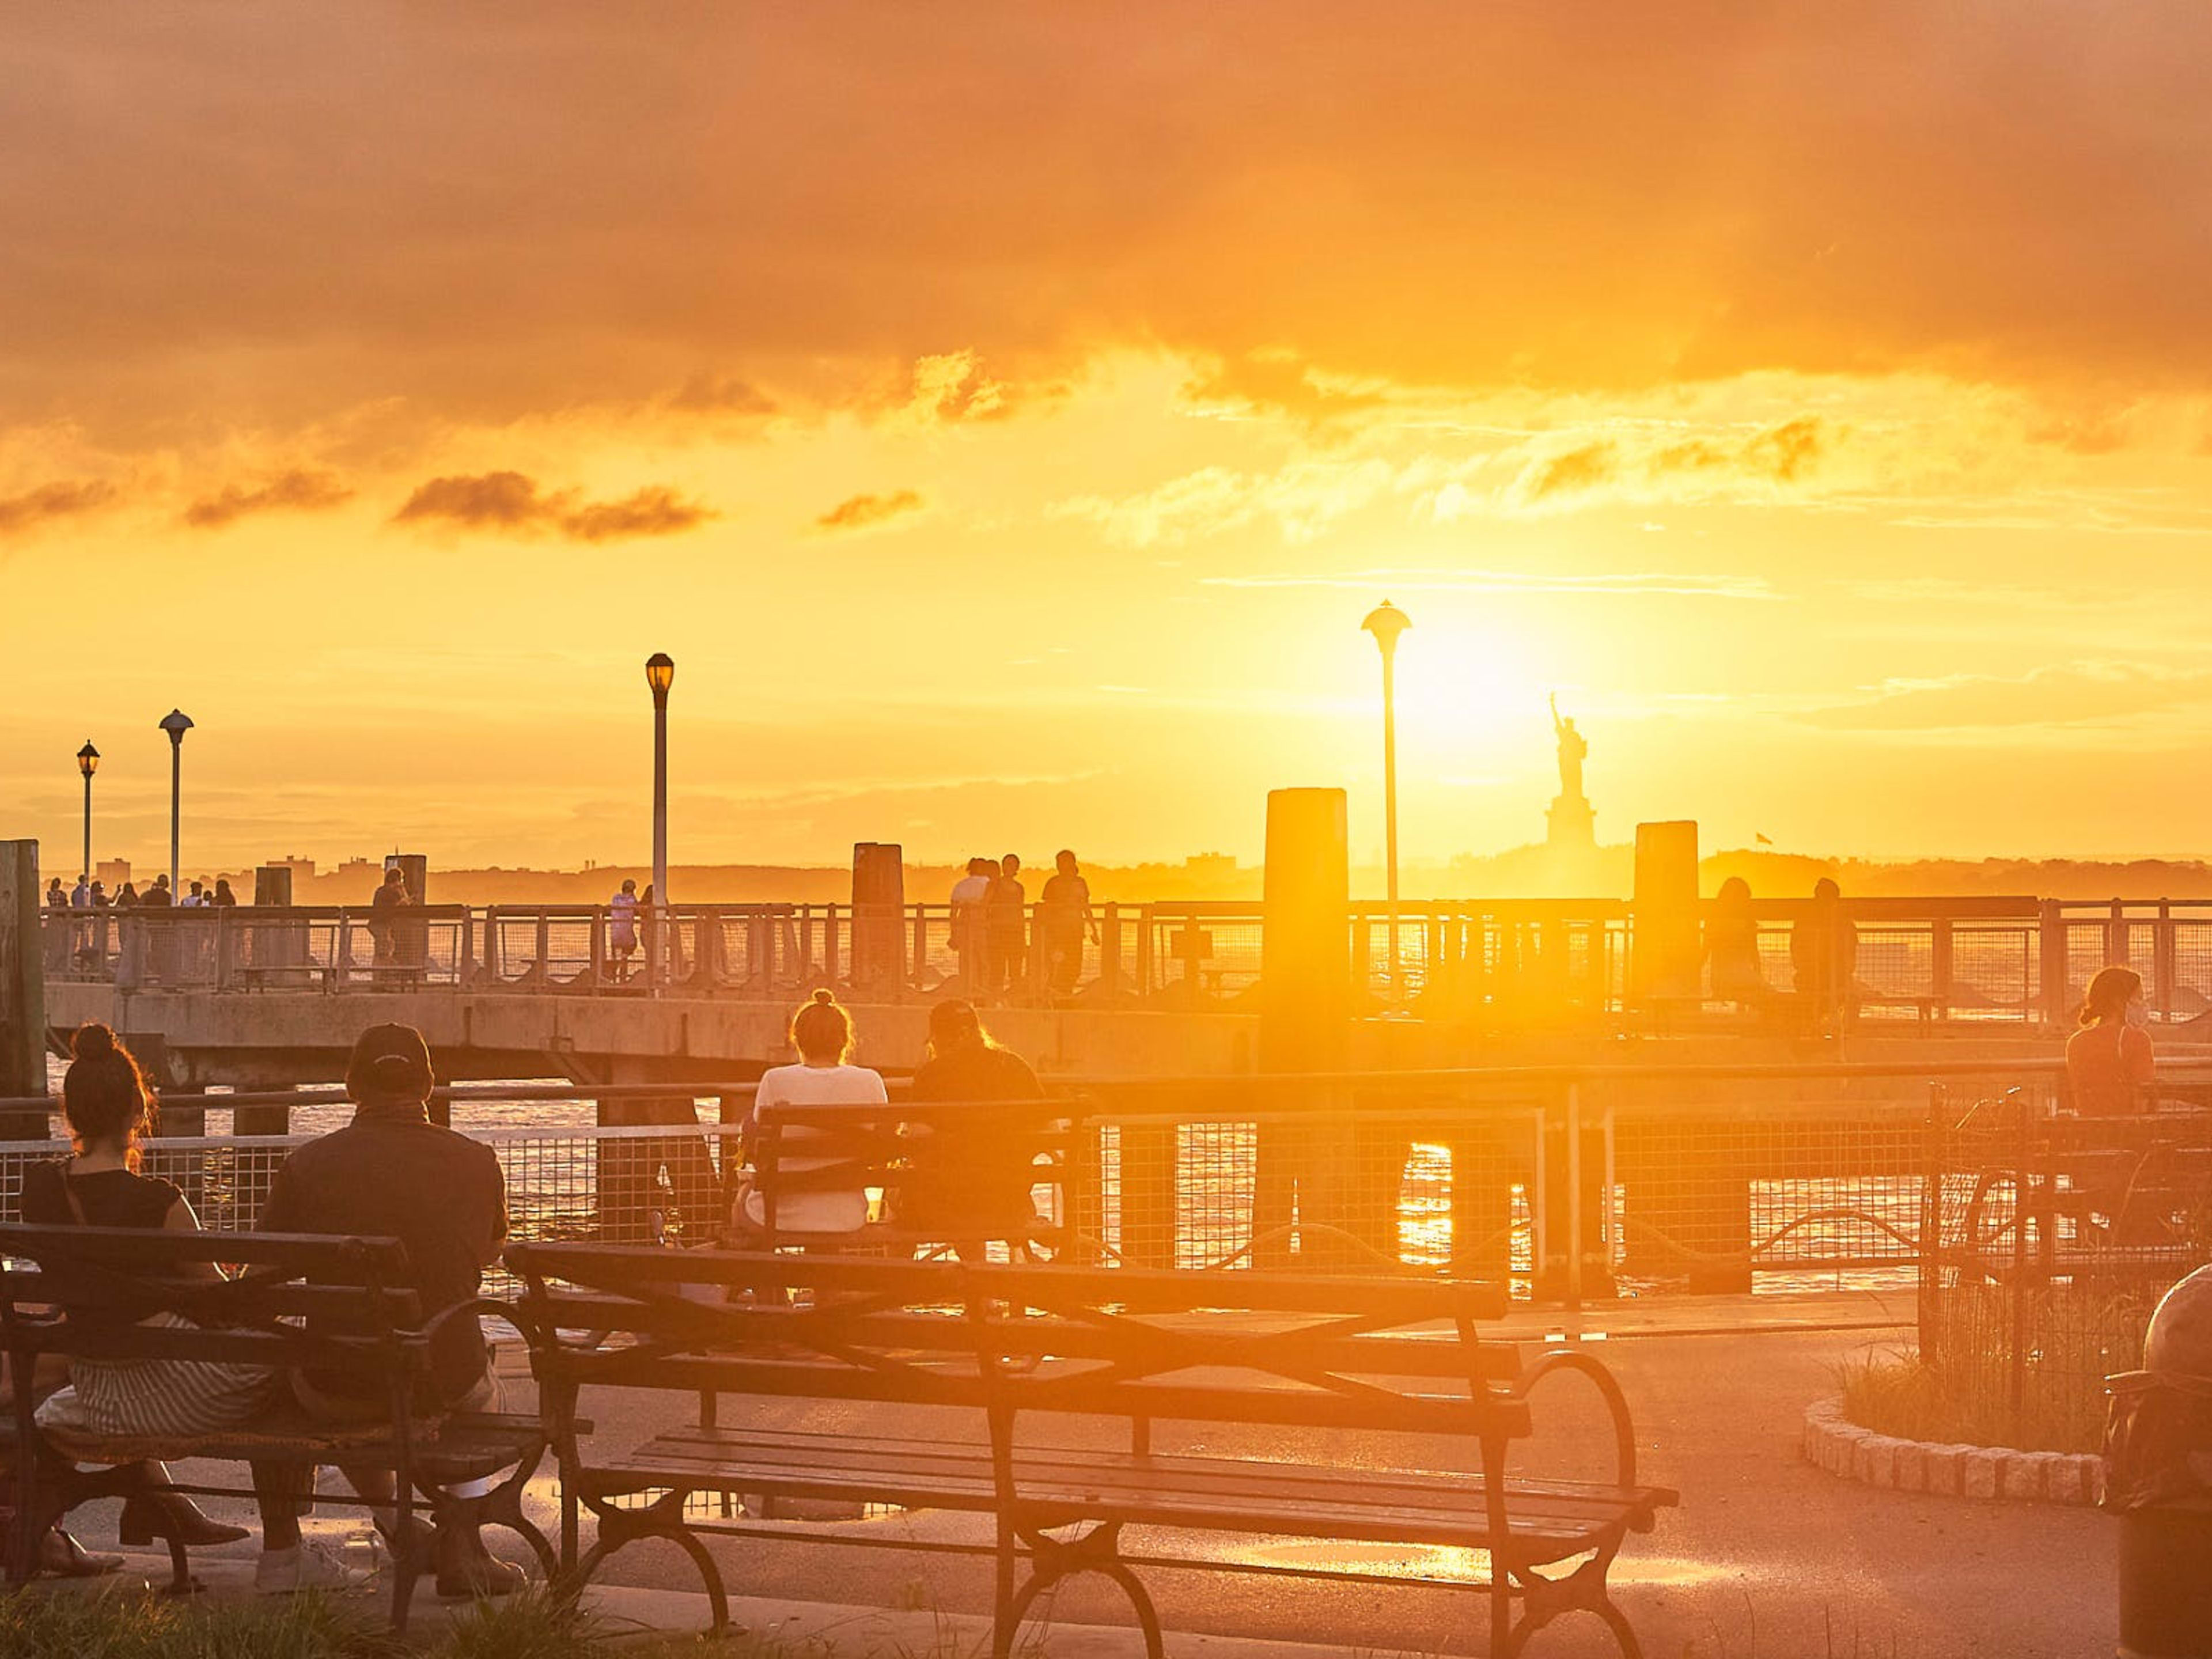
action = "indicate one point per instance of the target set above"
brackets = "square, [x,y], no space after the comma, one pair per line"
[1006,927]
[392,1173]
[1064,919]
[971,898]
[621,930]
[383,919]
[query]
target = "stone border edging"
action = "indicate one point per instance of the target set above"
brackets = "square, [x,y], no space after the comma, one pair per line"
[1842,1448]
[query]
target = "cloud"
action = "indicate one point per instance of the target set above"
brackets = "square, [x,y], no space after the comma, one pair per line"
[1303,499]
[512,502]
[864,512]
[1643,466]
[2072,694]
[720,394]
[1276,382]
[1443,578]
[953,386]
[656,510]
[60,500]
[298,488]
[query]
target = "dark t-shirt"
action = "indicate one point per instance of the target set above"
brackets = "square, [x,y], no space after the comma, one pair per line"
[109,1198]
[974,1176]
[394,1173]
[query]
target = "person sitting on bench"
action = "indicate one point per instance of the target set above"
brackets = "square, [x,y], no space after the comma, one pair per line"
[108,1106]
[969,1181]
[822,1031]
[393,1174]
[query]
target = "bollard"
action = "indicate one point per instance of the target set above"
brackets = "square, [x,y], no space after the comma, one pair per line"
[2158,1454]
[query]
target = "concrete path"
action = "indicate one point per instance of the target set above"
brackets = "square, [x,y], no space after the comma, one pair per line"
[1768,1556]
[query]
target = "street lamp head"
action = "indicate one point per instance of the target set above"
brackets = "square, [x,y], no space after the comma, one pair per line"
[659,674]
[87,758]
[176,723]
[1386,622]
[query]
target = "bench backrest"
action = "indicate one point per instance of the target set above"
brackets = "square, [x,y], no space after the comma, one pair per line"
[1124,1343]
[308,1301]
[797,1150]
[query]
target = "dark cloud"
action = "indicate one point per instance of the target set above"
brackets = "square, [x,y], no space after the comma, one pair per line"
[1558,197]
[1786,453]
[490,499]
[720,394]
[512,501]
[60,500]
[655,511]
[297,490]
[859,512]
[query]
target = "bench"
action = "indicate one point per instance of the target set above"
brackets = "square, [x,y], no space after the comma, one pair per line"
[301,1301]
[990,1346]
[826,1149]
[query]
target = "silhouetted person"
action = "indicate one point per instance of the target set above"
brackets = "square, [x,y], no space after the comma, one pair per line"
[222,895]
[1063,920]
[384,919]
[1824,954]
[1007,927]
[2109,1065]
[970,1176]
[971,898]
[159,895]
[128,897]
[393,1174]
[1732,946]
[621,929]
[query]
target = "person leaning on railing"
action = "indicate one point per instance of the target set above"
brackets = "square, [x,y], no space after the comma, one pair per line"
[2109,1064]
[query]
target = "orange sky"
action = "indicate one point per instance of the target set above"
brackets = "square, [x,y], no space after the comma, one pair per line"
[1005,415]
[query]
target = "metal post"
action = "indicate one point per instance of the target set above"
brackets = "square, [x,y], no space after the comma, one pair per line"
[86,866]
[1390,815]
[176,790]
[661,941]
[1575,1197]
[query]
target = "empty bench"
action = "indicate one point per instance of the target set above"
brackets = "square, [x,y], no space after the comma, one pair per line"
[1002,1350]
[299,1303]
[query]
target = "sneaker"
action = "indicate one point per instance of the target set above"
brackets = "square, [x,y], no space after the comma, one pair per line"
[312,1566]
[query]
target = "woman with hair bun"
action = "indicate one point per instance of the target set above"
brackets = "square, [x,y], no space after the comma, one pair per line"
[2109,1064]
[822,1032]
[108,1106]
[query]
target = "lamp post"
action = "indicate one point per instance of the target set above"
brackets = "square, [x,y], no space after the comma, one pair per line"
[87,762]
[1386,623]
[659,674]
[176,723]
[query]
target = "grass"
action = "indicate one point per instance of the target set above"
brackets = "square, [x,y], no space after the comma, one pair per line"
[132,1624]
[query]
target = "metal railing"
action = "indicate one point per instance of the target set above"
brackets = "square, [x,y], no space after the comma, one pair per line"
[1976,961]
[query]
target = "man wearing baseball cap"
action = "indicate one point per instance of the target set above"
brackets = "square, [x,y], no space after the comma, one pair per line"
[392,1173]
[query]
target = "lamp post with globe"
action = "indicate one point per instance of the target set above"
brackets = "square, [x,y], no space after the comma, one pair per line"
[1386,623]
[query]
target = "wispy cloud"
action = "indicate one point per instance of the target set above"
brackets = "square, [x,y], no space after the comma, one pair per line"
[298,490]
[1303,500]
[1445,580]
[2068,694]
[512,503]
[1647,465]
[865,511]
[63,498]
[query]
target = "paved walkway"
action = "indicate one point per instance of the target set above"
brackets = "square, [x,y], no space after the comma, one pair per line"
[1768,1556]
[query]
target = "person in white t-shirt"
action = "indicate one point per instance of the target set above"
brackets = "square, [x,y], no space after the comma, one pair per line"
[822,1031]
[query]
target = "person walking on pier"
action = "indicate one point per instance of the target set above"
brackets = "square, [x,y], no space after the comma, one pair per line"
[392,1173]
[1064,919]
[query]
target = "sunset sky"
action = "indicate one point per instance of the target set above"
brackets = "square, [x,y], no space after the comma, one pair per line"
[1005,415]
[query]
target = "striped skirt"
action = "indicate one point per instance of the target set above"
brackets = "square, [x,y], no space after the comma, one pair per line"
[152,1399]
